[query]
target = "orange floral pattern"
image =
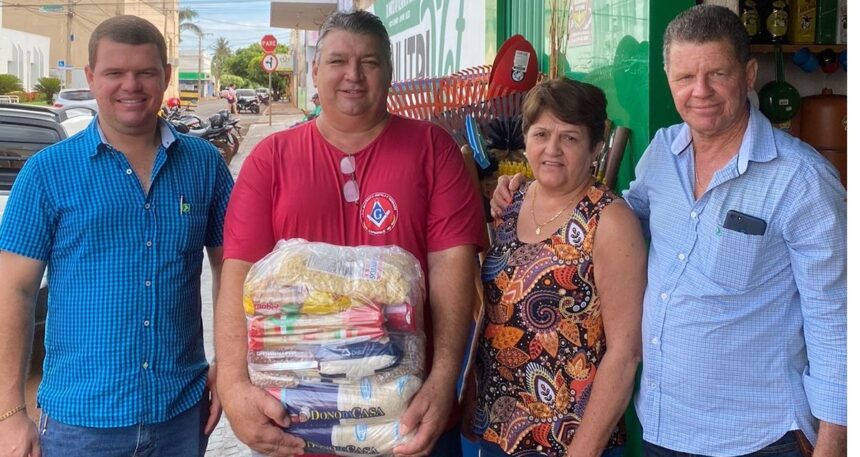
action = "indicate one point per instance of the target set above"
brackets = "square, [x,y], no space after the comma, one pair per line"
[543,339]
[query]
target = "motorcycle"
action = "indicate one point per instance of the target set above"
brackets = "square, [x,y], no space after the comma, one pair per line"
[221,130]
[263,96]
[248,104]
[182,115]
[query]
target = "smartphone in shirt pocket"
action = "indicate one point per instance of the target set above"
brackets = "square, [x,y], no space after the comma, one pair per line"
[744,223]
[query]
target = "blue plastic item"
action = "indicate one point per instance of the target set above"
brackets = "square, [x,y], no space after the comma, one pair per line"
[476,142]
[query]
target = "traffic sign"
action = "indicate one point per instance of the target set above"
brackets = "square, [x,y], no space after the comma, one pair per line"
[269,42]
[285,62]
[52,9]
[269,63]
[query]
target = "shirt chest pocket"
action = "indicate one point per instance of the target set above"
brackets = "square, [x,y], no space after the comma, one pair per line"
[185,233]
[734,259]
[193,232]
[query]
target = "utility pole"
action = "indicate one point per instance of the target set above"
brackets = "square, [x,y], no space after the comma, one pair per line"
[199,68]
[167,41]
[70,13]
[166,34]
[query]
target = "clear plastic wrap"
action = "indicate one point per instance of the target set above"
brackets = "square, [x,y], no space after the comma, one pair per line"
[332,335]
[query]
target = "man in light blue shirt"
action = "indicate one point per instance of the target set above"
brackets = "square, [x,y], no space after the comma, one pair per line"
[744,325]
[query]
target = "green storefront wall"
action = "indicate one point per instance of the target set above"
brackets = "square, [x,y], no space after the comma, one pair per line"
[614,44]
[193,76]
[617,47]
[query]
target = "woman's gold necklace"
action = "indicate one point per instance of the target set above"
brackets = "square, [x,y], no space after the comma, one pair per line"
[554,217]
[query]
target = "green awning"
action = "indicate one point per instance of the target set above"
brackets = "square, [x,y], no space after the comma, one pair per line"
[192,75]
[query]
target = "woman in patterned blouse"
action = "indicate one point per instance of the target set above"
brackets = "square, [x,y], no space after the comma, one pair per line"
[564,282]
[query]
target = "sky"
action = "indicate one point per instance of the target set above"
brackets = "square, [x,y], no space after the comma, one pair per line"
[241,22]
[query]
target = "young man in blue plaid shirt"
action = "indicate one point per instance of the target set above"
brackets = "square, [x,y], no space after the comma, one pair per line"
[120,215]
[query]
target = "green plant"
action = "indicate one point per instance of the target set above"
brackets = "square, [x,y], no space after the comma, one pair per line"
[48,87]
[186,22]
[22,96]
[239,81]
[221,52]
[29,96]
[245,62]
[9,83]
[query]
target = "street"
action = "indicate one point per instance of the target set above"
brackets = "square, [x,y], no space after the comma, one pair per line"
[222,442]
[280,113]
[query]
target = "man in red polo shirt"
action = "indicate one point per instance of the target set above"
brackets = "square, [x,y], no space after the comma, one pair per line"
[356,175]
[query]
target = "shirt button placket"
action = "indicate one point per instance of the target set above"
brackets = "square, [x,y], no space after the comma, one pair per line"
[149,294]
[653,373]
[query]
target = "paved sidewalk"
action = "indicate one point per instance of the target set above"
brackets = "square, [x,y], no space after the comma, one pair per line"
[223,443]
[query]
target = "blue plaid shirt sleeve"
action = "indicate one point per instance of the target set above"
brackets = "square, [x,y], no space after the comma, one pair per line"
[817,245]
[218,209]
[28,220]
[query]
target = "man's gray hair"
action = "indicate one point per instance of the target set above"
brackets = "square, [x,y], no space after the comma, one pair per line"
[361,23]
[705,24]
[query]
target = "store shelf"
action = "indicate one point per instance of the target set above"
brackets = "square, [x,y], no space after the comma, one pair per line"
[791,48]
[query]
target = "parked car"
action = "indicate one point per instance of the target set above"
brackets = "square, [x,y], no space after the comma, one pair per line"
[246,100]
[25,130]
[74,98]
[263,95]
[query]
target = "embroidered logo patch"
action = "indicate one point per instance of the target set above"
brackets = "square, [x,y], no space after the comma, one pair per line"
[378,213]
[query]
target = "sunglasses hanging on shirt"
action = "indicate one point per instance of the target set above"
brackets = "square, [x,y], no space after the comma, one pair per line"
[350,188]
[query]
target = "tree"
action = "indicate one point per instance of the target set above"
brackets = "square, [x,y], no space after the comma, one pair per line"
[239,81]
[186,22]
[48,86]
[240,62]
[246,64]
[10,83]
[221,52]
[186,16]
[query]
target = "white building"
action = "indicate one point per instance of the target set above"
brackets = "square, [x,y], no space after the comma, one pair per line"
[190,63]
[24,55]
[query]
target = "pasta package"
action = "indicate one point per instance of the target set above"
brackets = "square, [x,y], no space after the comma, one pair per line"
[332,335]
[386,275]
